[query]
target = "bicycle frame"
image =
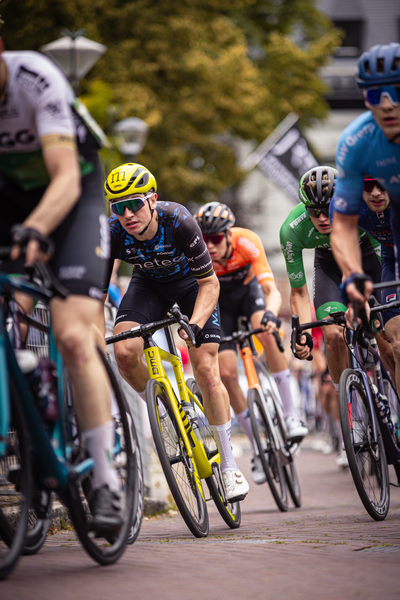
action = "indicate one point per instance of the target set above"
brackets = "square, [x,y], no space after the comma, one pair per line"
[154,358]
[392,451]
[51,454]
[248,352]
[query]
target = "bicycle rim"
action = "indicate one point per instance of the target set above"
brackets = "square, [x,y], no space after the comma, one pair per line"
[268,453]
[14,493]
[230,512]
[366,455]
[290,471]
[108,549]
[292,482]
[180,471]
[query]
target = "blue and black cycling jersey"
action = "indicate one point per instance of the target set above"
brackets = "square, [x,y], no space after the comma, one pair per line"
[176,250]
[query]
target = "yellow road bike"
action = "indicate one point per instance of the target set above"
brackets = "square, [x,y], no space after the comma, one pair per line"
[183,439]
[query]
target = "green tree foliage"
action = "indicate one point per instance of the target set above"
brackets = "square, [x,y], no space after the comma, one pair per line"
[201,73]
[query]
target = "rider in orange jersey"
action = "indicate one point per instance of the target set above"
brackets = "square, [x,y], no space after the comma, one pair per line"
[247,288]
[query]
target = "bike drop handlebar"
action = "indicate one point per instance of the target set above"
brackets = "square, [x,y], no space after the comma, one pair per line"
[238,336]
[149,328]
[40,274]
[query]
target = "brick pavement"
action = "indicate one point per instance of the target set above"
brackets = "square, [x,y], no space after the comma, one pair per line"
[329,548]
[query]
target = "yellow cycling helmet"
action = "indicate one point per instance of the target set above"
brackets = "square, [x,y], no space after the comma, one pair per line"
[129,179]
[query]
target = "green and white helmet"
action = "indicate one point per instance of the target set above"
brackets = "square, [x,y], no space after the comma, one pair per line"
[317,186]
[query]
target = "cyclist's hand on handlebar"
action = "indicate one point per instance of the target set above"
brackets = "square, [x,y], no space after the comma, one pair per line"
[358,287]
[349,315]
[303,349]
[270,322]
[30,242]
[198,335]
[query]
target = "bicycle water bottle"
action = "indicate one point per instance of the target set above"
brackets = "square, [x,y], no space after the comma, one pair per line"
[192,417]
[48,390]
[28,362]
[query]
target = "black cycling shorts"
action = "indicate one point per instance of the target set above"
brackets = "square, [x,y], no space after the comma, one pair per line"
[328,277]
[148,300]
[81,241]
[244,301]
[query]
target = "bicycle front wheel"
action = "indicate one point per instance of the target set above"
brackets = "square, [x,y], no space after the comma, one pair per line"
[365,453]
[15,478]
[180,471]
[230,512]
[268,452]
[108,549]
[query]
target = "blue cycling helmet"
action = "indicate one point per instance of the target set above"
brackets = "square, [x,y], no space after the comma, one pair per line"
[380,65]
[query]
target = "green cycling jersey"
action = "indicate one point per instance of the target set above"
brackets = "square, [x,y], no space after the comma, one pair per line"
[298,233]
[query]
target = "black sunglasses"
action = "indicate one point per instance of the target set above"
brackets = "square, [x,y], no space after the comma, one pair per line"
[369,185]
[214,239]
[316,212]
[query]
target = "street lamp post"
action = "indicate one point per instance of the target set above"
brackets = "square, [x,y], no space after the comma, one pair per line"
[74,54]
[130,136]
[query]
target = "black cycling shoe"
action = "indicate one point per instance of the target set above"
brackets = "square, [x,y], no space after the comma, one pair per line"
[107,512]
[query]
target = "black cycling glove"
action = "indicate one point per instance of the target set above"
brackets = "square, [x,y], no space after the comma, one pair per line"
[358,279]
[197,332]
[22,235]
[269,316]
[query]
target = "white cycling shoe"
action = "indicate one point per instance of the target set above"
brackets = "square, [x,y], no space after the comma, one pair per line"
[257,470]
[296,429]
[236,486]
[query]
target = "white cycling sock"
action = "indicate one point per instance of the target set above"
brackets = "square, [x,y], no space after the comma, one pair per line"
[222,435]
[100,443]
[336,386]
[282,380]
[142,394]
[245,425]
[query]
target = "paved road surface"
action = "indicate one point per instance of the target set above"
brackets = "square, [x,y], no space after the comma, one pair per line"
[328,549]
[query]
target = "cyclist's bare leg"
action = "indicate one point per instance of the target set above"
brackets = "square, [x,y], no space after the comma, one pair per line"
[72,321]
[392,329]
[228,365]
[336,351]
[206,371]
[72,324]
[129,357]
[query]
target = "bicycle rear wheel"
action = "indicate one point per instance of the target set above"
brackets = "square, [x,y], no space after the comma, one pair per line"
[180,471]
[268,452]
[15,479]
[230,512]
[108,549]
[366,455]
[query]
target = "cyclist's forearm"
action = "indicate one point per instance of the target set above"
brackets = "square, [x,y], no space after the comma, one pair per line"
[206,300]
[300,303]
[273,298]
[61,194]
[345,244]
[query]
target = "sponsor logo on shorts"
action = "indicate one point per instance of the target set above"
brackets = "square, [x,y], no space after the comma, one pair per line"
[95,292]
[259,302]
[391,297]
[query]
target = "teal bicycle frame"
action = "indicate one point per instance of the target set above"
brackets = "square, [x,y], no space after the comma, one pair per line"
[52,452]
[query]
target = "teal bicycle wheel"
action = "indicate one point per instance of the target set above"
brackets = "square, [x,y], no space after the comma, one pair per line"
[15,484]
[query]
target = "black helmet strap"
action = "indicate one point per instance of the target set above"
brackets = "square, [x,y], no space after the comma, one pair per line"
[151,218]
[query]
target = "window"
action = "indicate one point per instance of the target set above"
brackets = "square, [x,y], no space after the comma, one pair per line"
[352,41]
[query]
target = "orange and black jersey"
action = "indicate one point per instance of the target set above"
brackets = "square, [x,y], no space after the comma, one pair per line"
[177,249]
[247,260]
